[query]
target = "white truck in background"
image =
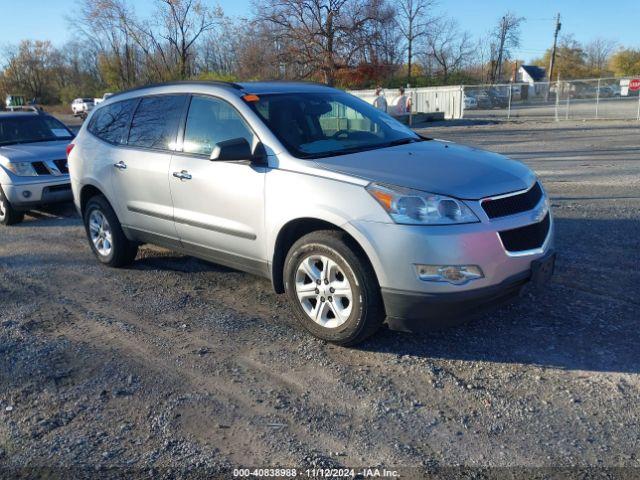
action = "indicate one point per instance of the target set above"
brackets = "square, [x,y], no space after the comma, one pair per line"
[96,101]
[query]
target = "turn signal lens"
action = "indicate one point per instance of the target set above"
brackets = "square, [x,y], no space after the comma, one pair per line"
[383,197]
[251,98]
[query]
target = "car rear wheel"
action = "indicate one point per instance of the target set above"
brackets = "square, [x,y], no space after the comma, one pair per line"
[8,214]
[333,288]
[106,238]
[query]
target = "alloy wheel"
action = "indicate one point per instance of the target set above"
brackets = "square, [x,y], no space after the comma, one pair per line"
[100,232]
[324,291]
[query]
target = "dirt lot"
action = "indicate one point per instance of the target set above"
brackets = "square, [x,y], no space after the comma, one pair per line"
[176,363]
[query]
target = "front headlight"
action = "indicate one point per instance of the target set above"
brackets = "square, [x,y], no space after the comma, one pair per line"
[414,207]
[22,169]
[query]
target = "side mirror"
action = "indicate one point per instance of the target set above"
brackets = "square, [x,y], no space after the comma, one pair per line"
[237,149]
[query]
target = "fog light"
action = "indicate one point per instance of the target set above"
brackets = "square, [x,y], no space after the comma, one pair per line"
[455,274]
[26,193]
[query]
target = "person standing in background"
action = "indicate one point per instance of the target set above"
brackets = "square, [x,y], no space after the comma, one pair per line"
[380,102]
[402,103]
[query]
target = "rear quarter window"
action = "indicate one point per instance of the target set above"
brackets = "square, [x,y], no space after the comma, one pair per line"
[110,123]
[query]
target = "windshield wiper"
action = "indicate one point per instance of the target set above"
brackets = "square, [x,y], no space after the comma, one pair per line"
[363,148]
[403,141]
[333,153]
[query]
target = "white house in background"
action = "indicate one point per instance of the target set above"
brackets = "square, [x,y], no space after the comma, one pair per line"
[531,74]
[534,79]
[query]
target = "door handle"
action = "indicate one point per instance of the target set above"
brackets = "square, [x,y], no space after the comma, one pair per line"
[183,175]
[121,165]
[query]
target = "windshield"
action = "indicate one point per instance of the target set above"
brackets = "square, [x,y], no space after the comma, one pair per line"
[32,128]
[315,125]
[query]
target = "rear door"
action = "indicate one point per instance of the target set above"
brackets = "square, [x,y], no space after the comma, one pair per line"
[140,176]
[218,205]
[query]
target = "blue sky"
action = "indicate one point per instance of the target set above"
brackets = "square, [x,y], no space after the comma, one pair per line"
[585,19]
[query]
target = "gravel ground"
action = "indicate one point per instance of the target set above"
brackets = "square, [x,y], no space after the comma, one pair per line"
[177,364]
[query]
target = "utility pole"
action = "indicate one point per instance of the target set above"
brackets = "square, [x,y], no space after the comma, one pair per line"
[555,43]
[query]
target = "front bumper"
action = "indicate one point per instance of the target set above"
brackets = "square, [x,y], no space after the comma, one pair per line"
[404,309]
[396,250]
[40,192]
[408,310]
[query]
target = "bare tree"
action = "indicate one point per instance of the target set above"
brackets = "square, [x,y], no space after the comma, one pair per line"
[486,55]
[183,22]
[316,36]
[388,39]
[220,48]
[506,37]
[262,54]
[28,66]
[598,53]
[102,27]
[378,38]
[166,41]
[413,22]
[448,47]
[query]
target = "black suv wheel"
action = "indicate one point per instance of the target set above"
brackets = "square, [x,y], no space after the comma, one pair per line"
[8,214]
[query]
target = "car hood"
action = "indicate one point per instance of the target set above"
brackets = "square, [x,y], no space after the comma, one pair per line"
[438,167]
[31,152]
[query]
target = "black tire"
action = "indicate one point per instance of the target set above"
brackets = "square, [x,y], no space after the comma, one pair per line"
[8,214]
[123,251]
[367,310]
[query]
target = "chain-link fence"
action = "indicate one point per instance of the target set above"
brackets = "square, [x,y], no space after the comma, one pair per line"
[602,98]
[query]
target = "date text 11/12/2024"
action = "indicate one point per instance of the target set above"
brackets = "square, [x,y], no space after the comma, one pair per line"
[315,473]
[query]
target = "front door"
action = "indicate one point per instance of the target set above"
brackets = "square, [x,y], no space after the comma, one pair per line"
[218,205]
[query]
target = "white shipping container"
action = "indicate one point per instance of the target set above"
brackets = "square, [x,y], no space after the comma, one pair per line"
[447,99]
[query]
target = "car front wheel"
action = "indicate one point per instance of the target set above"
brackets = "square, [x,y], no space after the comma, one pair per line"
[106,238]
[333,288]
[8,214]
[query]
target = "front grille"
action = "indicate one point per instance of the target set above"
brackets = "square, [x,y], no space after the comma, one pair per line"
[40,168]
[58,188]
[523,202]
[526,238]
[62,165]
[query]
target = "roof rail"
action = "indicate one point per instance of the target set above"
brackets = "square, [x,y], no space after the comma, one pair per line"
[220,83]
[281,81]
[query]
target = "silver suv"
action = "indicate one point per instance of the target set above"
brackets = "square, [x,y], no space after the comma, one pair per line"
[351,214]
[33,163]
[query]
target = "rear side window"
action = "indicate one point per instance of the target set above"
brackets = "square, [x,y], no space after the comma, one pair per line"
[210,121]
[155,123]
[110,122]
